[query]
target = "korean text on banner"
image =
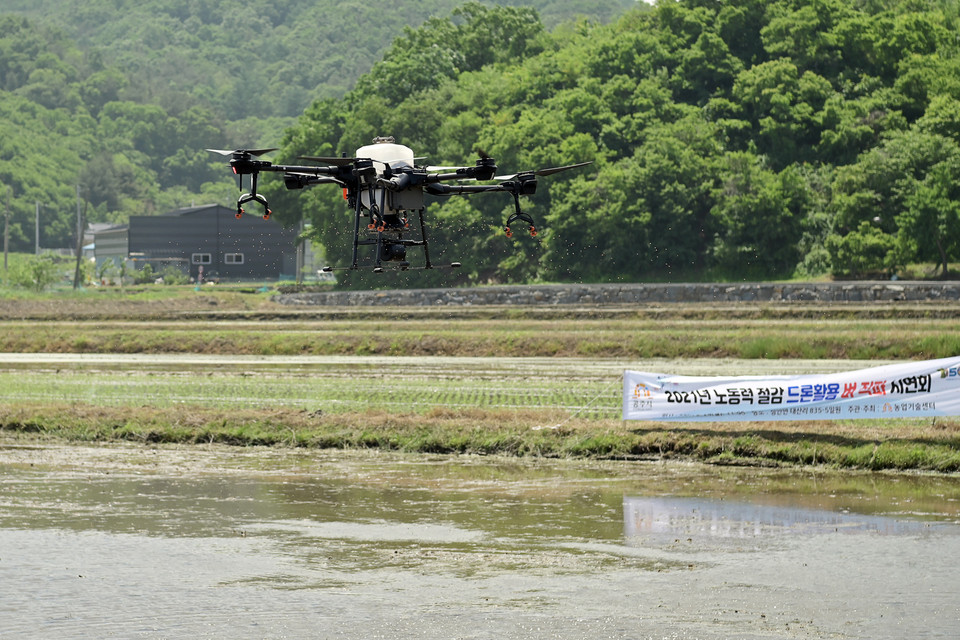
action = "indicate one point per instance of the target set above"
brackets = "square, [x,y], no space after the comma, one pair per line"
[928,388]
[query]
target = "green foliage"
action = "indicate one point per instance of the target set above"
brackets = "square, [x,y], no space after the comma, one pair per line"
[864,251]
[743,139]
[929,225]
[122,97]
[747,139]
[35,273]
[146,275]
[173,275]
[758,217]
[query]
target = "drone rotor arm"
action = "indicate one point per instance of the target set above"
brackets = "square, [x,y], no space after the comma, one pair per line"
[437,189]
[298,180]
[330,160]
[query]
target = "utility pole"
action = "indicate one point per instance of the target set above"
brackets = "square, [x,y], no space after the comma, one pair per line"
[79,230]
[6,235]
[37,230]
[300,253]
[80,214]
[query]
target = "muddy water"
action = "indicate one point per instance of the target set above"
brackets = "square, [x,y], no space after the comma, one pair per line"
[130,542]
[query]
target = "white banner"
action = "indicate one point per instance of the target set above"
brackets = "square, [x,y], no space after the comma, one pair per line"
[929,388]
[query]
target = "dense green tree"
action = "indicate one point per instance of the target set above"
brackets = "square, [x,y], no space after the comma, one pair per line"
[865,251]
[929,224]
[784,108]
[874,188]
[743,138]
[758,217]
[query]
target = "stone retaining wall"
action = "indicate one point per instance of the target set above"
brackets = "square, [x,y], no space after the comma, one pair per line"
[627,294]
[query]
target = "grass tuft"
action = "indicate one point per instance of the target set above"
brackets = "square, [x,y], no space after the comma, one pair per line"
[907,445]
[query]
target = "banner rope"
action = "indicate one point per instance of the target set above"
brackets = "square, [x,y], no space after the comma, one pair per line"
[589,405]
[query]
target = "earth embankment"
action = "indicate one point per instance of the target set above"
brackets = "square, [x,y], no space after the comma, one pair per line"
[628,294]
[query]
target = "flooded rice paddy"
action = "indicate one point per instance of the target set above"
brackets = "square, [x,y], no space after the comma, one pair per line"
[206,542]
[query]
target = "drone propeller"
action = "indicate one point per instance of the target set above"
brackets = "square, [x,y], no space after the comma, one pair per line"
[329,160]
[486,160]
[542,172]
[239,153]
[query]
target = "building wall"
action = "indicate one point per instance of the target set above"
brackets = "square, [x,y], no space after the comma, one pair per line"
[111,244]
[212,237]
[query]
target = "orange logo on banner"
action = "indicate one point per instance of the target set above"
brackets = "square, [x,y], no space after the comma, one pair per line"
[641,391]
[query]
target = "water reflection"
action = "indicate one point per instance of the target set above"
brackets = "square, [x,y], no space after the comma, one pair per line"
[671,517]
[168,542]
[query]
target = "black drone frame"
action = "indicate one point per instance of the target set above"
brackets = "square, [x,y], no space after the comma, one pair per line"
[360,179]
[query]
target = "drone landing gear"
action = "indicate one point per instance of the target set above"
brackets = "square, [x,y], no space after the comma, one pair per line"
[523,217]
[400,267]
[386,233]
[256,197]
[518,215]
[253,196]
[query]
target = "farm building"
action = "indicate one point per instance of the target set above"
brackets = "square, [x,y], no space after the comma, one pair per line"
[208,240]
[109,242]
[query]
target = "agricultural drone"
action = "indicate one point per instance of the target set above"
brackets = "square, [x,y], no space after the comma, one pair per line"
[383,184]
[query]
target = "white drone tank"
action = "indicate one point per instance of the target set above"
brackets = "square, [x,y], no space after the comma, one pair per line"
[384,151]
[387,152]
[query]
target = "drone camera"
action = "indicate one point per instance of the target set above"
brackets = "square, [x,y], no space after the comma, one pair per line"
[393,252]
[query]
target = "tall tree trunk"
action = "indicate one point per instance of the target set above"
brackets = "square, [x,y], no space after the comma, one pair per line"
[943,259]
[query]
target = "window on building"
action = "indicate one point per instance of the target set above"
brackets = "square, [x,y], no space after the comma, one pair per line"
[201,258]
[233,258]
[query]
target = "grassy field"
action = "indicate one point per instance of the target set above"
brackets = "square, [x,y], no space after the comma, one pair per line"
[562,337]
[359,377]
[171,320]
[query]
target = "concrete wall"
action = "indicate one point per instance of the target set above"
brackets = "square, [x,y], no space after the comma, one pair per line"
[628,294]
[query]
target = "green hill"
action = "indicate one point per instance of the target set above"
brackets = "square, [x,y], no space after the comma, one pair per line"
[744,139]
[121,97]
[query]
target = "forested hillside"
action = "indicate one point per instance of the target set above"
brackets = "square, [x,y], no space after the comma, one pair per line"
[743,139]
[121,96]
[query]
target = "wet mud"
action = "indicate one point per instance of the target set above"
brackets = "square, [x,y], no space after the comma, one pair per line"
[164,542]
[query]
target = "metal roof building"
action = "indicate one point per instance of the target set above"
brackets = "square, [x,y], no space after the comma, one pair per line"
[211,238]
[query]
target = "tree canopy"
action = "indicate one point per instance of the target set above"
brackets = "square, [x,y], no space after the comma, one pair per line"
[743,139]
[122,97]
